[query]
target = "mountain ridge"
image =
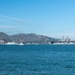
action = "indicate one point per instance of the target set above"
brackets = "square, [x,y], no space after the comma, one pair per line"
[26,38]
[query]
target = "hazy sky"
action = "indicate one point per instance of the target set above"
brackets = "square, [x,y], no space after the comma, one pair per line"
[54,18]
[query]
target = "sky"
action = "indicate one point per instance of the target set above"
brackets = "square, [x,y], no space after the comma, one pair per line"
[54,18]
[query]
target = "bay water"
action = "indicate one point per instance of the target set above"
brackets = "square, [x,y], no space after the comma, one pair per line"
[37,60]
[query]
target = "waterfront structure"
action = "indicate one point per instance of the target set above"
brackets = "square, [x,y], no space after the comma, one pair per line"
[2,42]
[11,43]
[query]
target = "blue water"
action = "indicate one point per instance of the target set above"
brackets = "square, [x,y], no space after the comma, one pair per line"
[37,60]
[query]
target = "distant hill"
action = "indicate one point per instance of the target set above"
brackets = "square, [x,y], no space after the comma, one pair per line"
[5,37]
[26,38]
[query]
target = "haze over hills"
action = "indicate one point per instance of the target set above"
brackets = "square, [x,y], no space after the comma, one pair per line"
[26,38]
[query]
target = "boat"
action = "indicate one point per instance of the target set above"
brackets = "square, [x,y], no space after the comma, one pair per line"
[21,44]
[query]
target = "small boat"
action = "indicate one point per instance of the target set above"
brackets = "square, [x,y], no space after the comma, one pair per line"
[21,44]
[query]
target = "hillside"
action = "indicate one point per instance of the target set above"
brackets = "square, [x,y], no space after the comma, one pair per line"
[26,38]
[5,37]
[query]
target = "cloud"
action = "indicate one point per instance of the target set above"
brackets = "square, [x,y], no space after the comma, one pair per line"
[10,18]
[4,20]
[7,26]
